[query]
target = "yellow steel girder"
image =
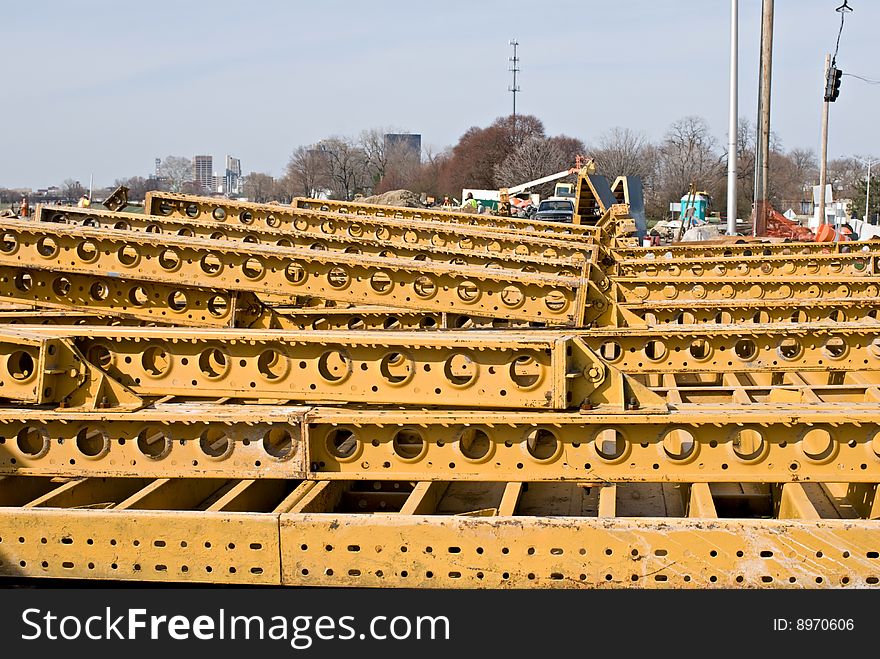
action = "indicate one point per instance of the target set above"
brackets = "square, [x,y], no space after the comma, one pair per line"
[191,262]
[432,535]
[431,244]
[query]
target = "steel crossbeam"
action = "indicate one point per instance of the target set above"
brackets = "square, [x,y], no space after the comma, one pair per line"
[557,229]
[101,292]
[788,431]
[511,534]
[431,244]
[820,267]
[237,266]
[500,368]
[324,217]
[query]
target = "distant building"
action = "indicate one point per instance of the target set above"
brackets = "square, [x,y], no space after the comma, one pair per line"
[158,167]
[203,172]
[405,144]
[232,179]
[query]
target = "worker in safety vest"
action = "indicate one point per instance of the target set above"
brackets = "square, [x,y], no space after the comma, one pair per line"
[469,201]
[84,201]
[23,210]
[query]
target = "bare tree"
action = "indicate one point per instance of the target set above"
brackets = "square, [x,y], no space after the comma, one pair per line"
[138,186]
[535,158]
[346,166]
[376,152]
[845,174]
[307,172]
[258,187]
[689,153]
[177,171]
[623,152]
[72,190]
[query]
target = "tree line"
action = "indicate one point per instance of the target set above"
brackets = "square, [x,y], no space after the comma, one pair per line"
[516,149]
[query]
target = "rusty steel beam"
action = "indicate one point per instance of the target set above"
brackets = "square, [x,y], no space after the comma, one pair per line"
[134,299]
[435,535]
[726,250]
[191,262]
[501,368]
[195,440]
[819,267]
[793,290]
[512,224]
[431,244]
[326,218]
[751,441]
[737,441]
[635,315]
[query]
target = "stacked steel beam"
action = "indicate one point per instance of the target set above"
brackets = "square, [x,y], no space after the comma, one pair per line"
[331,393]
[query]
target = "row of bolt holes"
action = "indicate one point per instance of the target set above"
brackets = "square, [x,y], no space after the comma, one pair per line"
[253,268]
[69,565]
[556,551]
[255,546]
[35,443]
[559,576]
[410,239]
[543,444]
[333,366]
[788,348]
[247,217]
[760,317]
[137,296]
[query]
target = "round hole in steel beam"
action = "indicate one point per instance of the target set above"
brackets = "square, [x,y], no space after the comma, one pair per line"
[215,443]
[156,361]
[679,444]
[92,442]
[32,442]
[396,368]
[542,444]
[748,444]
[526,371]
[746,349]
[213,363]
[460,370]
[47,247]
[474,443]
[408,444]
[153,443]
[334,366]
[610,444]
[342,443]
[278,442]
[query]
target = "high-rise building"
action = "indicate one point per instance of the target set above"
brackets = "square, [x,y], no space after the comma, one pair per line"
[407,145]
[203,172]
[232,184]
[158,166]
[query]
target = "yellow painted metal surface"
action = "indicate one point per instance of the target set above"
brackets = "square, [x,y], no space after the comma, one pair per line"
[341,394]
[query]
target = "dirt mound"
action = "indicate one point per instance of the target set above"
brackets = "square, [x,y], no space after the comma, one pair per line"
[403,198]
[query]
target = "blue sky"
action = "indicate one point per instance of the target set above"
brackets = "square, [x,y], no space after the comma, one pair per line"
[113,85]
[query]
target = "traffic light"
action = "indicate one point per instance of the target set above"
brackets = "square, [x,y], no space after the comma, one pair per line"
[832,84]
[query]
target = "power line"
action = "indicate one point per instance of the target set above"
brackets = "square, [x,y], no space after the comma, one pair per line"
[868,80]
[842,10]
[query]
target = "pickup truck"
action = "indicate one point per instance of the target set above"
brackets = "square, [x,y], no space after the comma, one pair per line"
[556,209]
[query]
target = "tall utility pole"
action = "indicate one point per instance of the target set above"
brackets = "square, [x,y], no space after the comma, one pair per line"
[762,161]
[732,129]
[823,158]
[514,69]
[868,195]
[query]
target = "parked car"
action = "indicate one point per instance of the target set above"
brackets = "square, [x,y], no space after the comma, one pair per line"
[556,209]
